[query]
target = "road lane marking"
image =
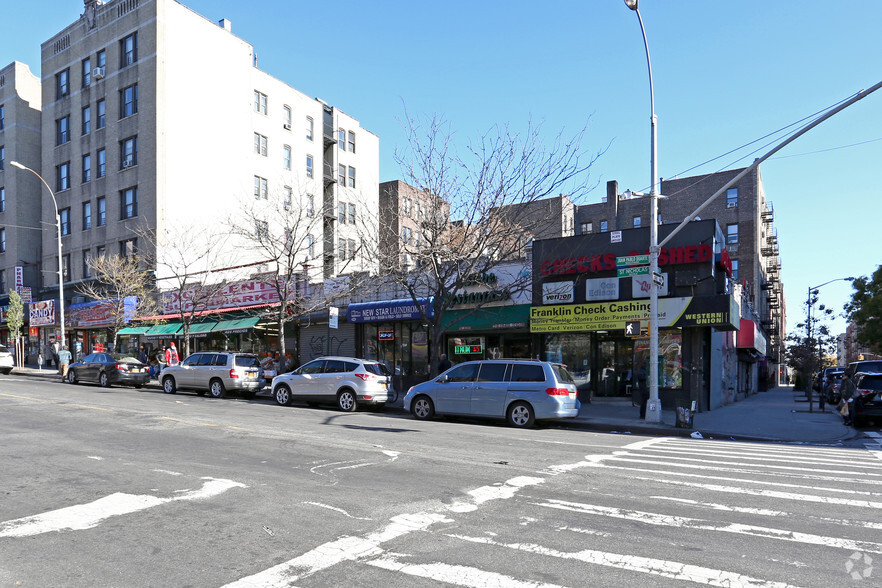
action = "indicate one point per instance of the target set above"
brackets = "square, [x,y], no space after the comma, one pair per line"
[454,574]
[89,515]
[682,453]
[689,523]
[656,567]
[334,508]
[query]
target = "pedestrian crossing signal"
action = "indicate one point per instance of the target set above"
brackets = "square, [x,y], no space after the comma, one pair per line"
[632,329]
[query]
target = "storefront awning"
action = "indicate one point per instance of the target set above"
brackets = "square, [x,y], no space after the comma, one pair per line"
[202,328]
[491,318]
[133,330]
[240,325]
[166,330]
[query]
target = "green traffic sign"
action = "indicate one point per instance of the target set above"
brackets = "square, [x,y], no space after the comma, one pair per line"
[627,260]
[640,270]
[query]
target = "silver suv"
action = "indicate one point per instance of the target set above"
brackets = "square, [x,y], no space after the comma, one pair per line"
[344,381]
[520,391]
[214,372]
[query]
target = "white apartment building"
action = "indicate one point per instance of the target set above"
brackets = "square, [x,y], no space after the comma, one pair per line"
[157,117]
[20,141]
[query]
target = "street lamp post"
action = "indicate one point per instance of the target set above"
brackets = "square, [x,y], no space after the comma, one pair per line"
[809,330]
[60,264]
[653,406]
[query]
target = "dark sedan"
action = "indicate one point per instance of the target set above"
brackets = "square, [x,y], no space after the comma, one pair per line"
[107,369]
[868,400]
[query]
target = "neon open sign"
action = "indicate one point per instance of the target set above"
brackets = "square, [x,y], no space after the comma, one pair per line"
[467,349]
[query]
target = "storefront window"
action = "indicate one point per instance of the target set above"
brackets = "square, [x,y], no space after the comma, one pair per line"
[670,354]
[574,351]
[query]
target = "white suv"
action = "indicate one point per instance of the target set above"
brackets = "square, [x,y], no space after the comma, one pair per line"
[344,381]
[6,362]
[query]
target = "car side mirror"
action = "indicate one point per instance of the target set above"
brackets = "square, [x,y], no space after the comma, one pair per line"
[443,379]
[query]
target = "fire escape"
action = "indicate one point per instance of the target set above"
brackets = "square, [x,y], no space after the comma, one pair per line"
[772,285]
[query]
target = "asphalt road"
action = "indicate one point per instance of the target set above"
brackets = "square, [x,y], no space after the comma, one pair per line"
[118,487]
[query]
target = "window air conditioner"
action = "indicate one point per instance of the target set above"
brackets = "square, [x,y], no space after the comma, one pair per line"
[287,126]
[98,73]
[127,163]
[731,205]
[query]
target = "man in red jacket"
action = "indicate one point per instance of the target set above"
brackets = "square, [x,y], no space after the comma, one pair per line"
[171,354]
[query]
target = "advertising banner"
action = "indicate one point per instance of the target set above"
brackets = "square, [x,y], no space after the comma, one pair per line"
[698,311]
[601,289]
[42,313]
[558,293]
[392,310]
[102,313]
[247,293]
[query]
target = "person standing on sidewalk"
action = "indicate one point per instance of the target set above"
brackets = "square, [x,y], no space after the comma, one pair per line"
[63,361]
[846,387]
[171,354]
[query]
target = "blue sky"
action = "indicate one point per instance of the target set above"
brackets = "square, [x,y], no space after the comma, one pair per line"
[725,74]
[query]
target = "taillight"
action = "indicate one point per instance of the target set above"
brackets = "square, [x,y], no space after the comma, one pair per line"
[557,391]
[366,377]
[234,374]
[121,367]
[866,391]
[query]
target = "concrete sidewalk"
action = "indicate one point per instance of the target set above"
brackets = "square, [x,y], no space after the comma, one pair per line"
[779,414]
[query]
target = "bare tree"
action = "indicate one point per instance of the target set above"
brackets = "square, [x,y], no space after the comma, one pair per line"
[122,283]
[478,211]
[193,270]
[15,322]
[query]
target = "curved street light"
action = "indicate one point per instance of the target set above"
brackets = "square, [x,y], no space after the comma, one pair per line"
[808,332]
[60,264]
[653,406]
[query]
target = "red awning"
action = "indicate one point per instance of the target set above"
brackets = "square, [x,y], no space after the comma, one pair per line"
[200,313]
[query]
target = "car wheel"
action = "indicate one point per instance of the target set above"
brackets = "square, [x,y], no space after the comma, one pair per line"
[282,394]
[103,380]
[347,401]
[71,377]
[423,408]
[521,415]
[139,386]
[168,385]
[216,388]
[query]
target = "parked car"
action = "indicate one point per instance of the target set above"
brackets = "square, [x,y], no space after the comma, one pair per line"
[866,365]
[345,381]
[518,390]
[214,372]
[107,369]
[6,362]
[869,388]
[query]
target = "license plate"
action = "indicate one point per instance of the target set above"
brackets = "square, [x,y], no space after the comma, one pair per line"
[250,374]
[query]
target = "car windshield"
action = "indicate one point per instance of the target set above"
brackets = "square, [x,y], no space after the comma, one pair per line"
[871,383]
[562,374]
[247,361]
[123,358]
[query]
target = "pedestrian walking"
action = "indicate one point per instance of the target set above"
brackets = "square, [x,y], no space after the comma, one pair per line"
[846,405]
[171,354]
[826,393]
[142,355]
[63,361]
[444,364]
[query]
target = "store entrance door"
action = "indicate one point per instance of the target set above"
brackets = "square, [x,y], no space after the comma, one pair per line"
[616,372]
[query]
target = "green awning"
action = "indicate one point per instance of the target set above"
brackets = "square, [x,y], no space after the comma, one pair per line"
[240,325]
[198,328]
[489,318]
[133,330]
[166,330]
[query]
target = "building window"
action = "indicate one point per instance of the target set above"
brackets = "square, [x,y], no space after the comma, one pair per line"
[87,168]
[732,233]
[735,269]
[128,101]
[309,166]
[2,202]
[2,280]
[351,246]
[87,215]
[261,230]
[128,203]
[351,177]
[405,206]
[341,175]
[260,102]
[406,235]
[310,246]
[638,222]
[341,213]
[102,163]
[62,177]
[87,258]
[64,215]
[101,113]
[259,144]
[604,226]
[62,84]
[102,211]
[310,204]
[128,50]
[65,266]
[341,139]
[2,117]
[310,127]
[101,252]
[352,214]
[341,247]
[351,141]
[731,197]
[261,188]
[87,71]
[62,130]
[2,157]
[587,228]
[286,157]
[2,241]
[87,120]
[101,59]
[128,152]
[128,248]
[286,116]
[289,197]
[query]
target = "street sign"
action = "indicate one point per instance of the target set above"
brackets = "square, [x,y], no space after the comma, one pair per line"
[640,270]
[628,260]
[658,279]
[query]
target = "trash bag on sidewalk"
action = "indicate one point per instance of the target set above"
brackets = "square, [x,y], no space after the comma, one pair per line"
[684,418]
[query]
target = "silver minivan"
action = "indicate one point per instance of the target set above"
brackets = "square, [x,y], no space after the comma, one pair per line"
[214,372]
[520,391]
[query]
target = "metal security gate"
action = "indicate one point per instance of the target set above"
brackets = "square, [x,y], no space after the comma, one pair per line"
[315,340]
